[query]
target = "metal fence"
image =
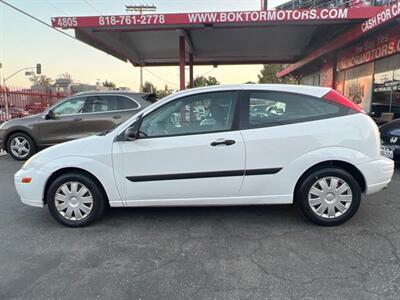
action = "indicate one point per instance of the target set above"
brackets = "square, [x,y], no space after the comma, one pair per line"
[18,102]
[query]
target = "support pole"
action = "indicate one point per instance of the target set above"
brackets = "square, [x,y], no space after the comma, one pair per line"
[191,70]
[5,98]
[141,79]
[264,4]
[182,62]
[334,76]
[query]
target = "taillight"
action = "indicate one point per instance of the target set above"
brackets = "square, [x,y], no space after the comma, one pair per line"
[336,97]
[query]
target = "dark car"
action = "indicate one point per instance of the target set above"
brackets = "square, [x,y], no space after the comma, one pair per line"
[390,136]
[72,118]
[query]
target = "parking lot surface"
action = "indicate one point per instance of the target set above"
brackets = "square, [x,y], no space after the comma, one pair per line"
[259,252]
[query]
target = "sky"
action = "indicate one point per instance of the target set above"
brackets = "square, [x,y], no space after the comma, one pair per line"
[25,42]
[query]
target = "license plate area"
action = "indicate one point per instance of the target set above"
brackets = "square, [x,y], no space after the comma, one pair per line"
[387,152]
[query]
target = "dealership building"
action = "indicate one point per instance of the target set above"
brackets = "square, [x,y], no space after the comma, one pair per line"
[351,46]
[362,63]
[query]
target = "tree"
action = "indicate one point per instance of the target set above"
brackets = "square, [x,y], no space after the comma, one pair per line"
[109,84]
[42,80]
[268,74]
[65,76]
[162,93]
[203,81]
[148,87]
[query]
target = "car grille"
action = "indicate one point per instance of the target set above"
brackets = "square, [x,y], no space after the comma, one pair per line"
[388,140]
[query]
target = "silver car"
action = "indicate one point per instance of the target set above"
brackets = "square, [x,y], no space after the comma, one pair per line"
[78,116]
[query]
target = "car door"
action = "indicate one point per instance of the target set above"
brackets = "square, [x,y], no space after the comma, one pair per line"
[101,113]
[181,155]
[63,122]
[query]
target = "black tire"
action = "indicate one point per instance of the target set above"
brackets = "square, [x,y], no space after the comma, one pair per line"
[98,205]
[306,184]
[31,145]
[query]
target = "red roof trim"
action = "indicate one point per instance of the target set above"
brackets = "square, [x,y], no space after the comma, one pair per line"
[336,97]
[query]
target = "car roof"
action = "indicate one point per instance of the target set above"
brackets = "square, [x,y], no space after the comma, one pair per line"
[144,99]
[390,125]
[111,92]
[315,91]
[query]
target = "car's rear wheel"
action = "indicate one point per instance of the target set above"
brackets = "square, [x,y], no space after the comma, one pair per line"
[20,146]
[329,196]
[75,200]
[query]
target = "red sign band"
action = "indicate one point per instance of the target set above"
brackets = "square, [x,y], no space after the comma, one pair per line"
[385,44]
[217,17]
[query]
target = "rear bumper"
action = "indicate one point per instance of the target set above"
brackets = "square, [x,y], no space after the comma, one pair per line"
[2,146]
[377,174]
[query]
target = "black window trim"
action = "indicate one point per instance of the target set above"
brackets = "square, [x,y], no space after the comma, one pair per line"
[243,119]
[235,121]
[139,106]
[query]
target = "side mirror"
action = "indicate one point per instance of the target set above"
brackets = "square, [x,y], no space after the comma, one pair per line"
[131,134]
[49,116]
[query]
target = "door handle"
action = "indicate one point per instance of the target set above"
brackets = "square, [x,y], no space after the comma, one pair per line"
[117,117]
[223,142]
[77,119]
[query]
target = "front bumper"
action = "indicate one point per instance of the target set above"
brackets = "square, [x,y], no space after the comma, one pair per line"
[2,139]
[31,193]
[377,174]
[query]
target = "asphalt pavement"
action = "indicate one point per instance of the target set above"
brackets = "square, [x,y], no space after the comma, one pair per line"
[259,252]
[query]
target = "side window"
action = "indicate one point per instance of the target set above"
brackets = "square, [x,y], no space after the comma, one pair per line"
[70,107]
[125,103]
[100,103]
[208,112]
[262,109]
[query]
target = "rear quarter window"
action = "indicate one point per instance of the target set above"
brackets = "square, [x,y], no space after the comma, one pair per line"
[124,103]
[266,108]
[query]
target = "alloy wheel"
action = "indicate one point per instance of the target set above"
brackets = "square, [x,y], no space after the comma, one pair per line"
[74,201]
[330,197]
[20,147]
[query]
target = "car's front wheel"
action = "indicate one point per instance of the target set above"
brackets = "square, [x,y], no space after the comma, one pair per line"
[20,146]
[329,196]
[75,199]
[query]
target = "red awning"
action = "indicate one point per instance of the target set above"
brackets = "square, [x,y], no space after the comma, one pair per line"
[378,20]
[243,37]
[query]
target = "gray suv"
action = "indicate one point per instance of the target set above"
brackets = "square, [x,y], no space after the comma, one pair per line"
[72,118]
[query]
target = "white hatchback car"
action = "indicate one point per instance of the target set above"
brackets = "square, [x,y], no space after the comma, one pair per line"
[251,145]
